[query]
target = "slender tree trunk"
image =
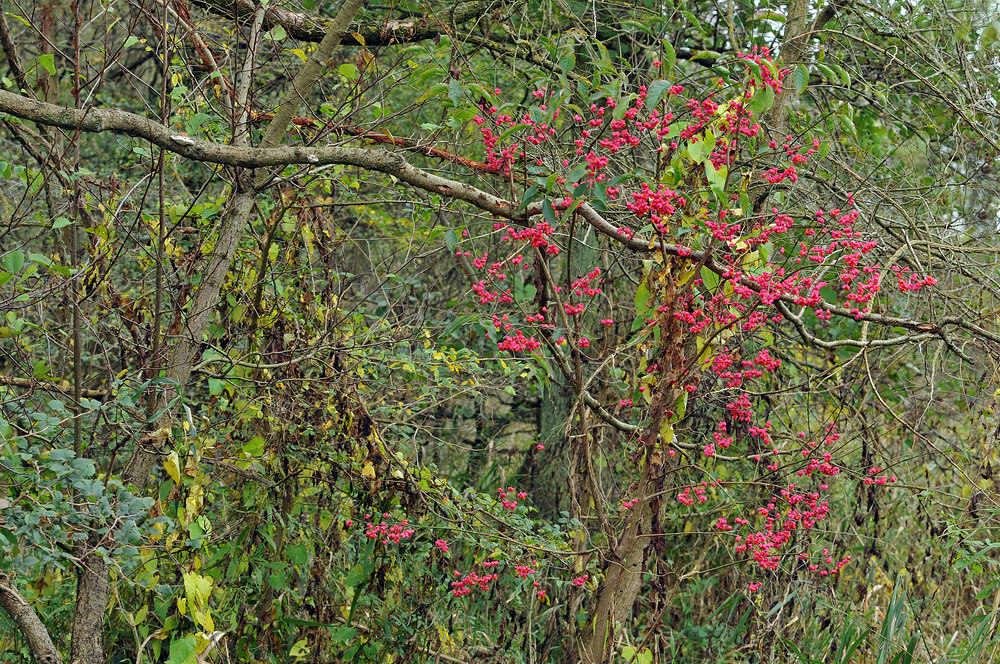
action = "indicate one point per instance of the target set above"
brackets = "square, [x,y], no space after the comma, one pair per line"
[622,582]
[628,558]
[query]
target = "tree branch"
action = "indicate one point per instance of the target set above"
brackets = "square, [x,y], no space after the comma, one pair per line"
[372,33]
[390,163]
[28,622]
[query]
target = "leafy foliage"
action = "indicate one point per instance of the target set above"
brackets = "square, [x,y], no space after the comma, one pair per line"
[580,332]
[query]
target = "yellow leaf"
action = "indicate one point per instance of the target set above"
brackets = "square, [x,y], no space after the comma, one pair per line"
[368,470]
[204,618]
[301,647]
[666,433]
[195,501]
[360,39]
[173,466]
[299,52]
[197,588]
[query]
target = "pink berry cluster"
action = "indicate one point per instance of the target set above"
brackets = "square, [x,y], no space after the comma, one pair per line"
[524,571]
[685,496]
[782,517]
[388,533]
[464,585]
[875,479]
[755,269]
[507,497]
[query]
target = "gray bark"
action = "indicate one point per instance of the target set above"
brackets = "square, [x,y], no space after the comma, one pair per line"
[28,622]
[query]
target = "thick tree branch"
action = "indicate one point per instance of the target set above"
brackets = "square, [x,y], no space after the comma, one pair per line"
[28,622]
[371,32]
[394,164]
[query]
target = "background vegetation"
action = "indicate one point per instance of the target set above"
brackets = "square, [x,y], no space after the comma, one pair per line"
[265,395]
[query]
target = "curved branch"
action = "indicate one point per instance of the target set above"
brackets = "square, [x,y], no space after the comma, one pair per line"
[28,622]
[98,120]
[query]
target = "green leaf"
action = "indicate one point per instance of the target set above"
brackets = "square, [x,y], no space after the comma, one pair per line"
[451,239]
[547,212]
[696,149]
[454,91]
[848,124]
[197,588]
[344,634]
[845,78]
[567,62]
[762,100]
[131,41]
[641,305]
[655,92]
[255,446]
[298,553]
[48,61]
[710,279]
[300,649]
[669,57]
[348,71]
[60,222]
[633,655]
[14,261]
[827,73]
[716,178]
[182,651]
[277,33]
[278,581]
[528,197]
[801,78]
[680,406]
[357,576]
